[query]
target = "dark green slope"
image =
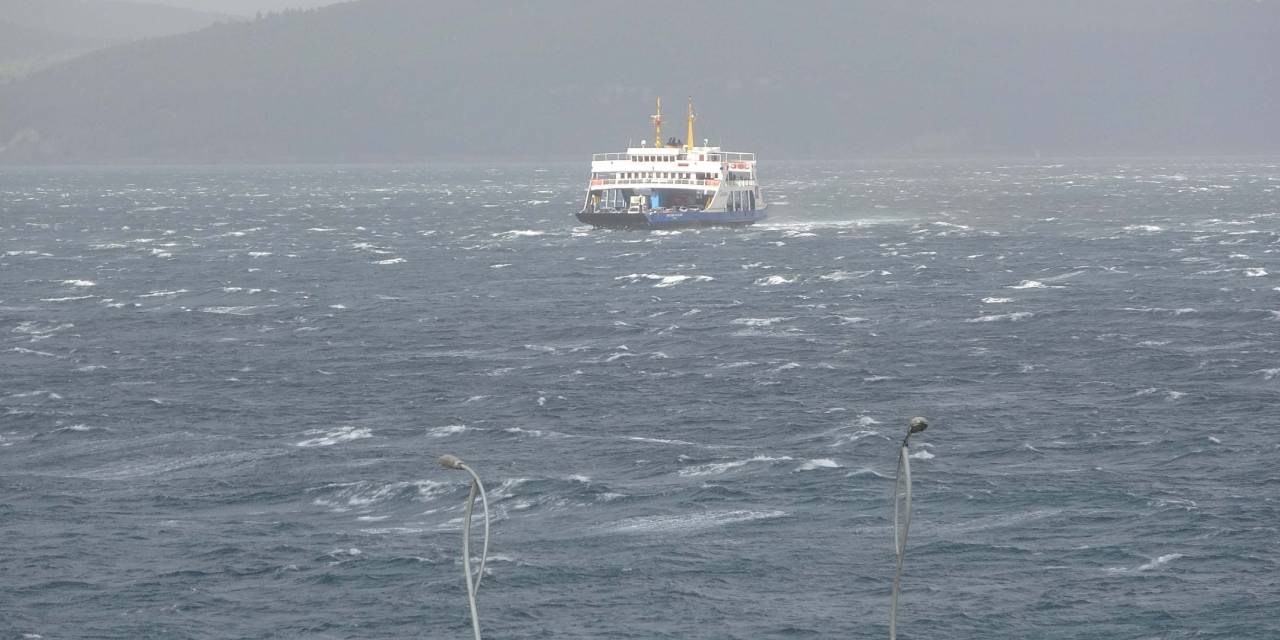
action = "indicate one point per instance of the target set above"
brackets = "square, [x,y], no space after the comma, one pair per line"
[409,79]
[104,20]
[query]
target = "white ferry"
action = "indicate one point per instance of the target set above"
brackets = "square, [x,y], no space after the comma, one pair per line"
[672,184]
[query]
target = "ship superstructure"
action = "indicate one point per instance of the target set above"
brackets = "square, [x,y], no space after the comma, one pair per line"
[672,184]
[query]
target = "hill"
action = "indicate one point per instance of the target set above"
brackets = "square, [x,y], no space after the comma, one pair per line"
[38,33]
[408,80]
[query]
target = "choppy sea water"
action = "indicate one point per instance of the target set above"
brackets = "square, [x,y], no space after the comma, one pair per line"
[223,392]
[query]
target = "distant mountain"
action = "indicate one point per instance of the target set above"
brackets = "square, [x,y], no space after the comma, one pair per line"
[116,20]
[21,41]
[246,7]
[410,79]
[38,33]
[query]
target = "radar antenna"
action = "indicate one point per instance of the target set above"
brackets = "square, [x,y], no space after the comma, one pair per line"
[657,125]
[689,146]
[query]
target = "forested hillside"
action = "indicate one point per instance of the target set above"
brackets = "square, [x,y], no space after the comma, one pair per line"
[408,80]
[35,34]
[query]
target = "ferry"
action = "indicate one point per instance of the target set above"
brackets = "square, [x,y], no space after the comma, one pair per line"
[672,184]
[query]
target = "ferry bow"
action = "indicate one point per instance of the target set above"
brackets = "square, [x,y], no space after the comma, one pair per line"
[672,184]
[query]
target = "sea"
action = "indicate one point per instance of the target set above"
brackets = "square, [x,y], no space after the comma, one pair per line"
[224,390]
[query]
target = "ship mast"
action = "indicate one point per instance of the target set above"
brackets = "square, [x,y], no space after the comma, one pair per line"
[689,140]
[657,125]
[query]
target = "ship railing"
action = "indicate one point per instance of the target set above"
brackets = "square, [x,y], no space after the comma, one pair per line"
[713,156]
[608,182]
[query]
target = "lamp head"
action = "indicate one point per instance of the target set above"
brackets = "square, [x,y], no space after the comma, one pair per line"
[918,424]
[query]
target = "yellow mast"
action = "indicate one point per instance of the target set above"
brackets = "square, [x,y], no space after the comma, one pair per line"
[657,125]
[689,140]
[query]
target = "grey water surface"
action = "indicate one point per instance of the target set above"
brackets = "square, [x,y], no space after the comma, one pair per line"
[222,392]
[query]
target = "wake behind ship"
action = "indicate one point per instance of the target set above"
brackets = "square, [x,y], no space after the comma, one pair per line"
[672,185]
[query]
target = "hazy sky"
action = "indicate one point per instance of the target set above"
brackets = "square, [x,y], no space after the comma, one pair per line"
[242,7]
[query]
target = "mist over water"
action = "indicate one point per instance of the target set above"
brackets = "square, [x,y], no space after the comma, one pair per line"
[224,390]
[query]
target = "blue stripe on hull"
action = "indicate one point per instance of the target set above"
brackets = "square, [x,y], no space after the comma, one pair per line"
[673,220]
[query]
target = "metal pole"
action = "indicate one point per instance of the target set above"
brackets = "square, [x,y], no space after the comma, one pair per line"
[473,582]
[901,518]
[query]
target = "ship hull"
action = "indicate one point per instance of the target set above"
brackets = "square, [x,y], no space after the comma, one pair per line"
[672,220]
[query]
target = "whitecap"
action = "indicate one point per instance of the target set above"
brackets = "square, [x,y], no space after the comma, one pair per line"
[1011,317]
[992,300]
[67,299]
[836,276]
[447,430]
[1255,272]
[716,468]
[33,352]
[818,463]
[663,281]
[774,281]
[345,434]
[1029,284]
[759,322]
[80,283]
[866,471]
[660,441]
[1153,564]
[849,438]
[537,433]
[390,261]
[364,493]
[519,233]
[689,522]
[671,281]
[233,311]
[921,455]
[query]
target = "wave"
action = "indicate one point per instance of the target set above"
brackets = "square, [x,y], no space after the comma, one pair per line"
[773,281]
[717,468]
[1011,317]
[689,522]
[759,322]
[818,463]
[664,281]
[328,439]
[365,494]
[447,430]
